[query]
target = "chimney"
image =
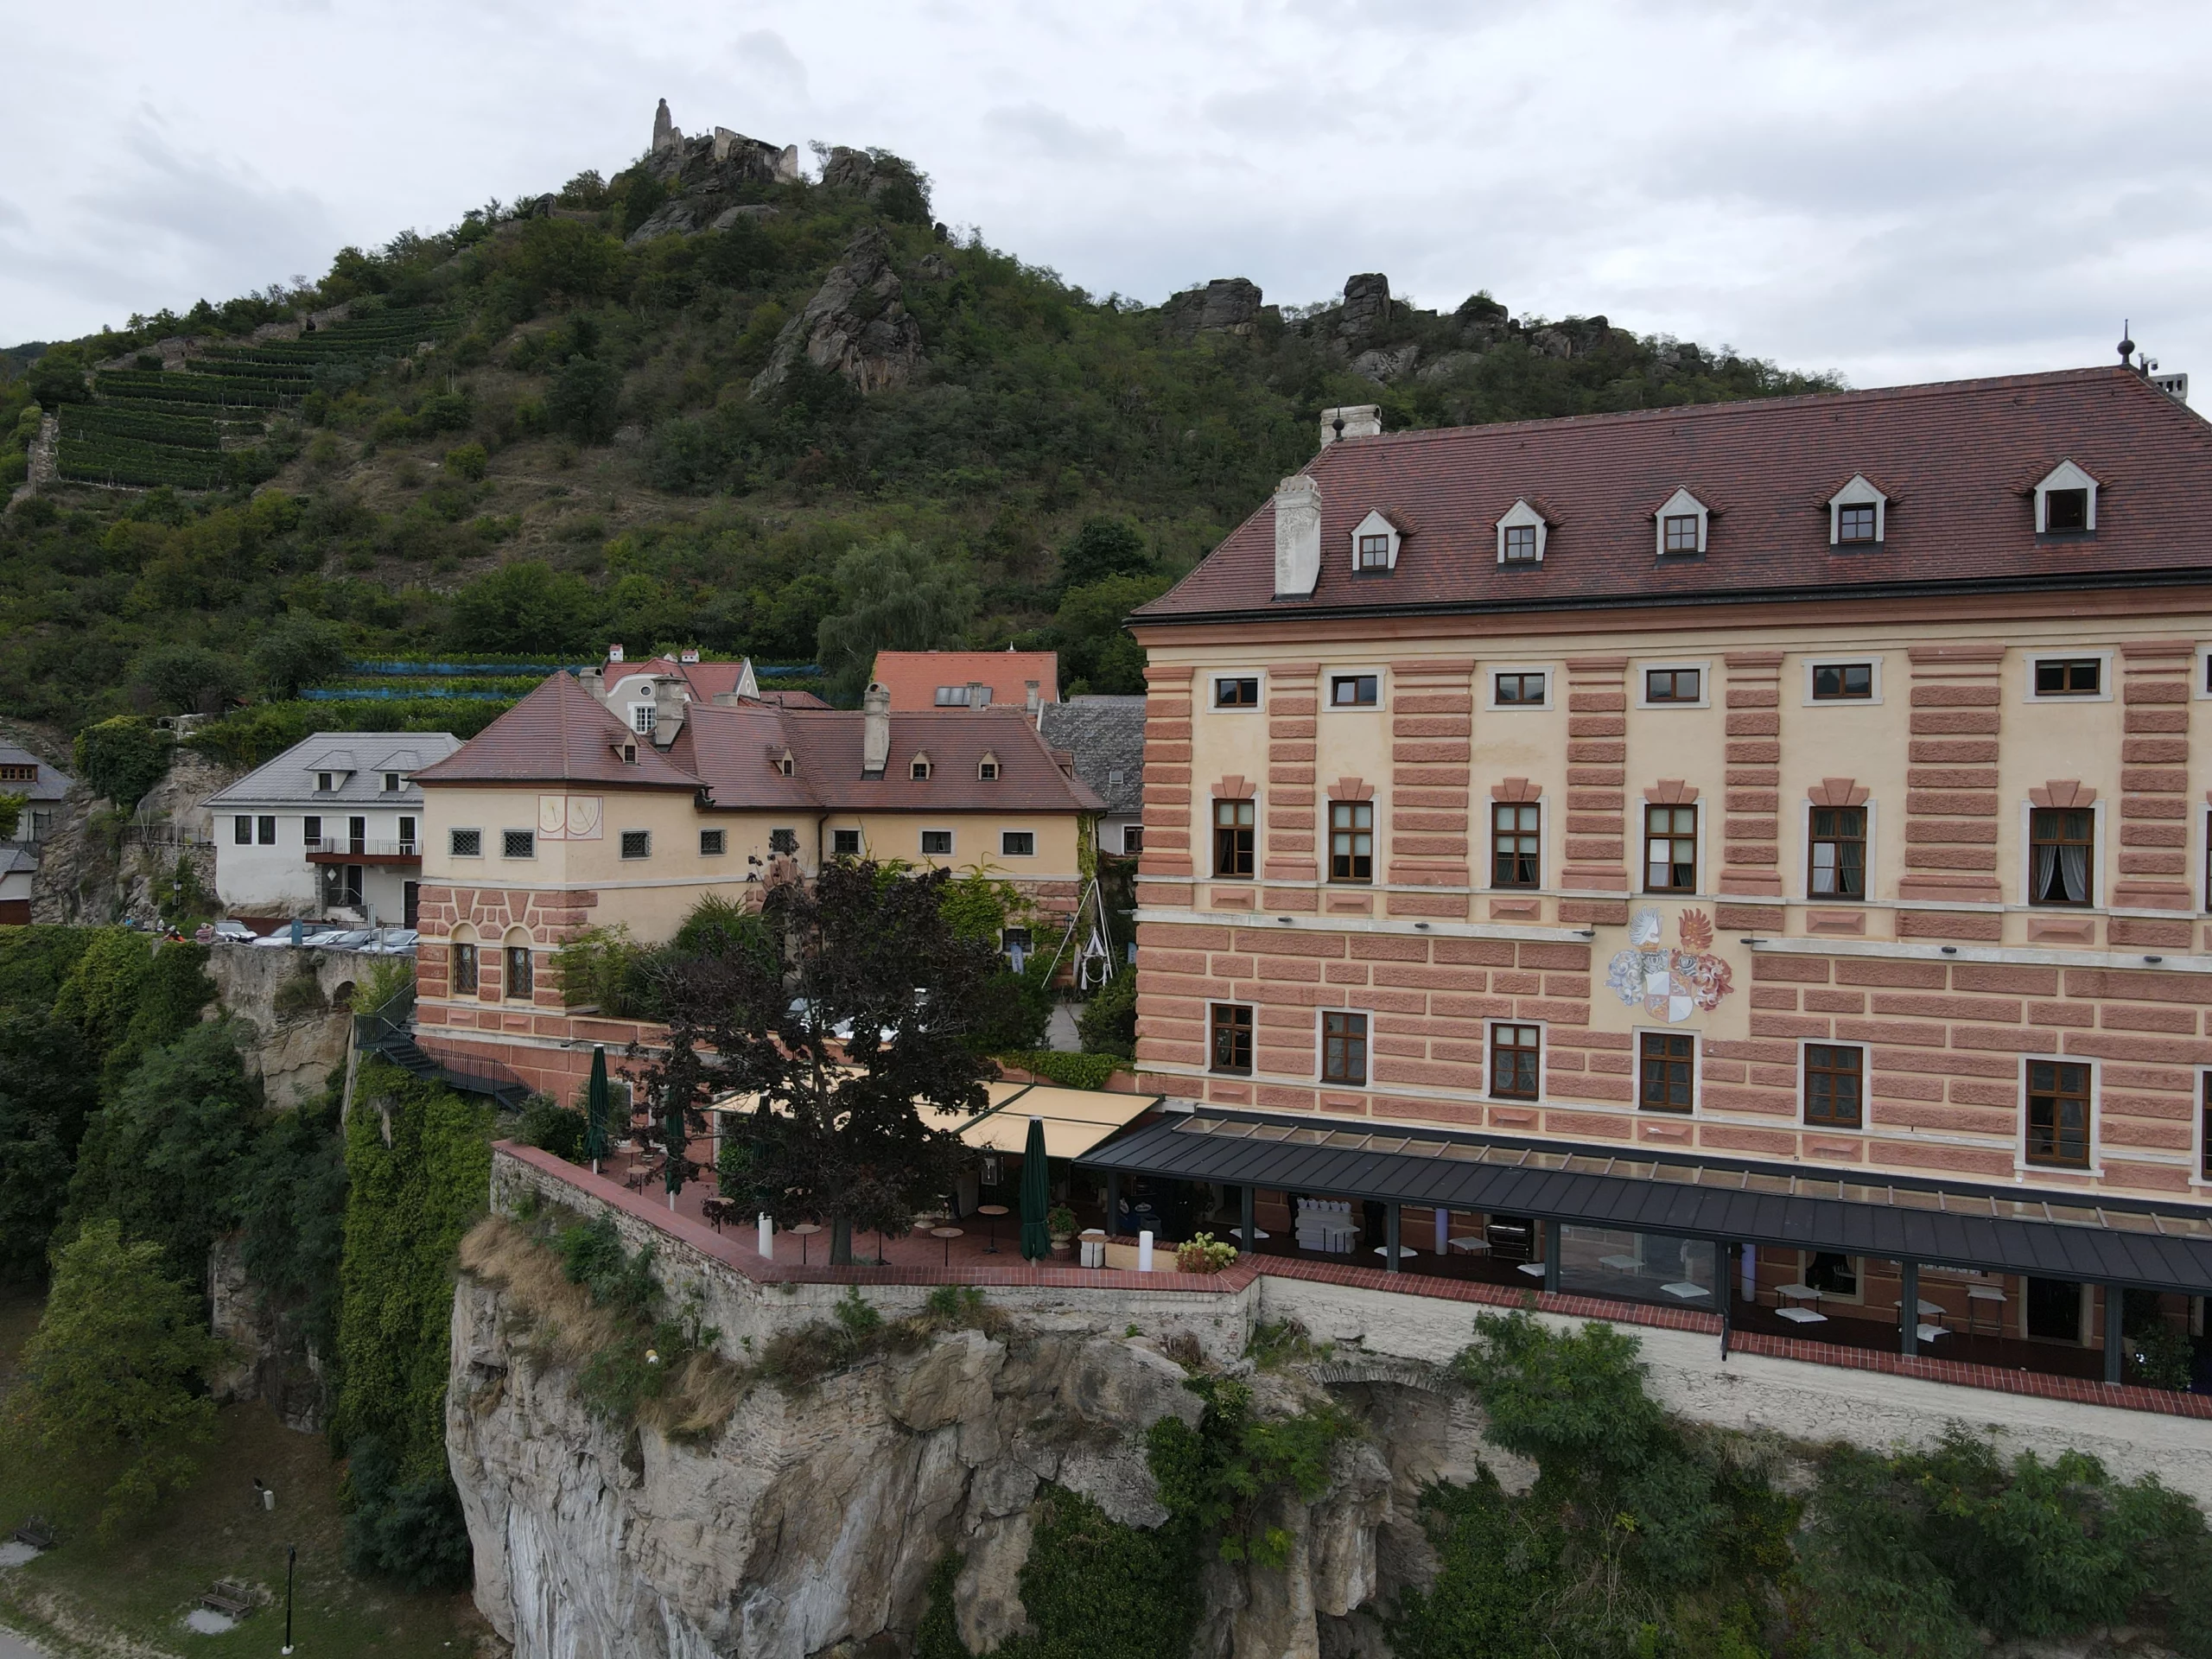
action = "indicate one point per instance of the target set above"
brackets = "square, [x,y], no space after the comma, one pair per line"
[979,695]
[668,709]
[688,654]
[614,653]
[1298,537]
[876,729]
[1353,420]
[1029,697]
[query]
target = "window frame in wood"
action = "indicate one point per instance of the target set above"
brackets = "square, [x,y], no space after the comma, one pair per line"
[1352,842]
[1675,1062]
[845,843]
[1366,690]
[1678,534]
[2045,826]
[1521,1044]
[1843,691]
[1520,678]
[518,977]
[1230,1031]
[1236,838]
[2052,1086]
[1516,845]
[1245,694]
[1825,1071]
[1672,697]
[1344,1047]
[464,971]
[1372,552]
[2064,683]
[1520,545]
[1673,837]
[1856,524]
[2075,511]
[937,843]
[1841,831]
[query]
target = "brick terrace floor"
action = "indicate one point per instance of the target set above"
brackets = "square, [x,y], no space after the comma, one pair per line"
[919,1259]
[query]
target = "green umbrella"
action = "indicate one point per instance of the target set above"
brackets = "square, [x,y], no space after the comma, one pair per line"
[1036,1195]
[595,1103]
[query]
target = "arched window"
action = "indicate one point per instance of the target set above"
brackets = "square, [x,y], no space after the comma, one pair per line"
[460,954]
[521,977]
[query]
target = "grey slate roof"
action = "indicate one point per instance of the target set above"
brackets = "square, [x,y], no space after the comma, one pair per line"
[53,783]
[2168,1247]
[1107,735]
[289,780]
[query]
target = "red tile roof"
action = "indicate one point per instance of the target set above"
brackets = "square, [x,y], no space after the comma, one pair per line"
[1957,460]
[912,677]
[736,749]
[558,734]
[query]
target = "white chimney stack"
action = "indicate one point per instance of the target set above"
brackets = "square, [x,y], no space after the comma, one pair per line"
[876,729]
[1354,421]
[1298,537]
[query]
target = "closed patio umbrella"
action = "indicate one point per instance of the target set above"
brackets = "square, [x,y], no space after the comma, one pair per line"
[675,1141]
[1036,1195]
[595,1105]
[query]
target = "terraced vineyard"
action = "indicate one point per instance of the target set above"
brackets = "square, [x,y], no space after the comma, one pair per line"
[182,427]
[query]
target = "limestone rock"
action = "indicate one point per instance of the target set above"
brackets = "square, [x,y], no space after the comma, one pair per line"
[986,1595]
[856,325]
[756,212]
[951,1380]
[1227,305]
[261,1362]
[1386,365]
[1444,367]
[1364,317]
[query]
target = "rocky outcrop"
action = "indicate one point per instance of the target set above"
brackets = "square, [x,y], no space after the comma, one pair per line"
[296,1042]
[94,871]
[809,1523]
[263,1359]
[856,324]
[1227,305]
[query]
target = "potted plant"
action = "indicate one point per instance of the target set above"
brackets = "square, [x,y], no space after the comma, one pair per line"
[1204,1253]
[1059,1222]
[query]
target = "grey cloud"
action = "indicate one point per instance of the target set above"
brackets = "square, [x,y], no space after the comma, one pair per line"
[767,54]
[1047,132]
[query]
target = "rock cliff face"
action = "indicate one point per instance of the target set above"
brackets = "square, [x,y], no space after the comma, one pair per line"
[856,324]
[85,880]
[811,1523]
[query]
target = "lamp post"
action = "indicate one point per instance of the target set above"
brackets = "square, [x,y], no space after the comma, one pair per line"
[291,1558]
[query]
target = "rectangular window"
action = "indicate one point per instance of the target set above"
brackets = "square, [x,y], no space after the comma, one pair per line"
[518,843]
[522,980]
[1667,1071]
[1351,840]
[637,843]
[1514,1052]
[2204,1132]
[407,835]
[1018,844]
[1516,845]
[1672,684]
[1374,553]
[713,843]
[357,835]
[2065,511]
[322,782]
[1843,682]
[952,696]
[2060,842]
[2067,677]
[1835,1084]
[242,829]
[1233,831]
[464,970]
[1838,853]
[1670,849]
[1343,1048]
[1232,1037]
[310,832]
[2058,1115]
[465,844]
[1016,942]
[391,783]
[1681,532]
[1132,838]
[1518,691]
[844,844]
[1520,544]
[1855,523]
[641,718]
[1354,690]
[937,843]
[266,829]
[1236,694]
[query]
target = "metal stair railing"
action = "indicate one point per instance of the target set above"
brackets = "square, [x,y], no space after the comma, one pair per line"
[388,1032]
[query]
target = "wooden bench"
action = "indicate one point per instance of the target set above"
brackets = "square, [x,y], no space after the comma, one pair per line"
[36,1533]
[228,1598]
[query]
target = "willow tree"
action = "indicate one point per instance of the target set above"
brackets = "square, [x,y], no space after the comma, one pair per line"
[836,1023]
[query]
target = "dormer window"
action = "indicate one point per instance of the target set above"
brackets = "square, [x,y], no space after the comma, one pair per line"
[393,783]
[987,769]
[1521,536]
[786,765]
[629,754]
[919,770]
[1858,515]
[1682,520]
[2066,502]
[325,782]
[1374,544]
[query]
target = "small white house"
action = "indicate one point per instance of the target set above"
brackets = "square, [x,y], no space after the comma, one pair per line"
[331,828]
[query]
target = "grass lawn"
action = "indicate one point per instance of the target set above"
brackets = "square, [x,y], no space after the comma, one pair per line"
[82,1596]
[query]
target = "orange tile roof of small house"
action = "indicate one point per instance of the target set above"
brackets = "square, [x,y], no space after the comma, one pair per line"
[912,677]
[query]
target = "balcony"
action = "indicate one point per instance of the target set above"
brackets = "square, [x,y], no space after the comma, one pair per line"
[343,850]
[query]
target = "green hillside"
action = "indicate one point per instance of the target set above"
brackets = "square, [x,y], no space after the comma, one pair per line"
[824,427]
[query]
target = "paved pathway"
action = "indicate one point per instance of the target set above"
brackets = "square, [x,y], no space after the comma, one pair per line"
[14,1647]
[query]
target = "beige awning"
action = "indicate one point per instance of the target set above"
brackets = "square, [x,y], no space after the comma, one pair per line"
[1076,1120]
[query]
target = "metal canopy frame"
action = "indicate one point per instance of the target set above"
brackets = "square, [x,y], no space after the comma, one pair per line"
[1903,1219]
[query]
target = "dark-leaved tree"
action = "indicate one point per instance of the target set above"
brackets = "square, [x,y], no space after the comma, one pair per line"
[842,1020]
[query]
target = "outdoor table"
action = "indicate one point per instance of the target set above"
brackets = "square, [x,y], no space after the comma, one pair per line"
[993,1211]
[1796,1294]
[1533,1269]
[1802,1316]
[1682,1290]
[1404,1251]
[1471,1245]
[1929,1333]
[802,1231]
[1985,1294]
[1927,1309]
[948,1233]
[1621,1263]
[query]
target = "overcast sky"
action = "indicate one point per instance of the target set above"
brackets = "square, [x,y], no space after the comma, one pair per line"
[1899,191]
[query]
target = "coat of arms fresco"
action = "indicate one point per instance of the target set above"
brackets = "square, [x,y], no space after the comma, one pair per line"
[1671,985]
